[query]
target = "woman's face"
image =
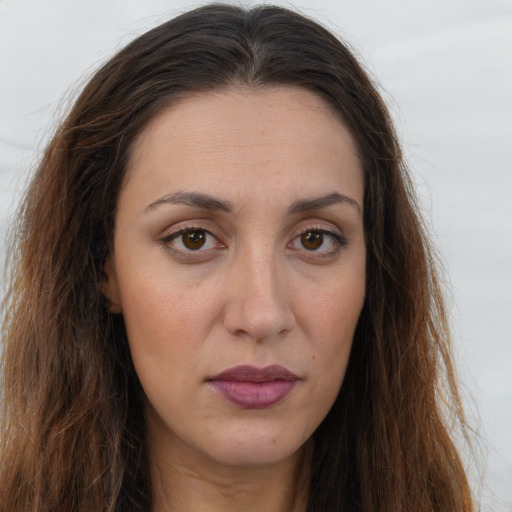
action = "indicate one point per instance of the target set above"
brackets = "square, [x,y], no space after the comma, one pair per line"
[239,268]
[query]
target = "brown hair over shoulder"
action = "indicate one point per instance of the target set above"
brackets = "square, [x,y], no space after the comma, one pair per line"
[71,425]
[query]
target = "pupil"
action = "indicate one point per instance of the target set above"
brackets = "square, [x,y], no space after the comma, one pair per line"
[194,239]
[312,240]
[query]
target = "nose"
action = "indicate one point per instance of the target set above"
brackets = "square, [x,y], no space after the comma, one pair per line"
[258,305]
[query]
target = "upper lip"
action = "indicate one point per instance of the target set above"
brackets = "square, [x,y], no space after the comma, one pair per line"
[247,373]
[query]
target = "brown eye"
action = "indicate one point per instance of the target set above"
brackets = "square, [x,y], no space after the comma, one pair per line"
[315,243]
[193,243]
[312,240]
[194,239]
[190,240]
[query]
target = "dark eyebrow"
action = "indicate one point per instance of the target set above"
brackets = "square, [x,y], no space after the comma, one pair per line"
[316,203]
[195,199]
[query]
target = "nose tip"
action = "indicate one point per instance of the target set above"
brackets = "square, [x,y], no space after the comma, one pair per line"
[258,307]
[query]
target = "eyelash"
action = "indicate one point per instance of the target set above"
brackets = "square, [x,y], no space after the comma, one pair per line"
[167,242]
[339,242]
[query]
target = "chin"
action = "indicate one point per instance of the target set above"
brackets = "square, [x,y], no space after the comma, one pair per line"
[250,448]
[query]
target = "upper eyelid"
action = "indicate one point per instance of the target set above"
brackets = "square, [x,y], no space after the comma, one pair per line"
[331,229]
[326,223]
[176,234]
[338,237]
[182,230]
[174,231]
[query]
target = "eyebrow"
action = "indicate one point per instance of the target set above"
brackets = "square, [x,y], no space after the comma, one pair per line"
[195,199]
[317,203]
[207,202]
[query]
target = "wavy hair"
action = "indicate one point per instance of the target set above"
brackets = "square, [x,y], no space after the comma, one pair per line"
[72,425]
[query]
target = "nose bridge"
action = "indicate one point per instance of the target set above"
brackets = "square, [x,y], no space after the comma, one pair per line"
[259,305]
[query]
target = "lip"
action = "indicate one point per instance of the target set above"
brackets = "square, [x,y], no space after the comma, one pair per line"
[250,387]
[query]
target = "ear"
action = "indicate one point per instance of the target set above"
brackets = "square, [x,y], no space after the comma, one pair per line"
[110,288]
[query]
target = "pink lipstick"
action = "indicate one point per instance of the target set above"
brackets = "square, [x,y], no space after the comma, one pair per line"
[249,387]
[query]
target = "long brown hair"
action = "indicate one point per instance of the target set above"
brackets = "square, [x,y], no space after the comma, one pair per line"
[72,427]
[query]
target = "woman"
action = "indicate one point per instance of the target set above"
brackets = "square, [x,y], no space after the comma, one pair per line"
[223,297]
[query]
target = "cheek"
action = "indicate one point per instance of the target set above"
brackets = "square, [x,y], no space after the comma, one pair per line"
[166,341]
[334,310]
[160,320]
[333,316]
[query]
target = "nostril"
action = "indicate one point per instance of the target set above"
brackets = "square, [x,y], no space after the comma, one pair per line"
[259,321]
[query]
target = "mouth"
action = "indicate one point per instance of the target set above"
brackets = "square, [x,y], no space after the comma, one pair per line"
[249,387]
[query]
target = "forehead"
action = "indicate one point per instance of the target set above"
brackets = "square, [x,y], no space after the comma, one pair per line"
[242,137]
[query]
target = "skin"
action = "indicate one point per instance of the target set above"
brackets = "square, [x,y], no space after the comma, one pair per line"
[256,292]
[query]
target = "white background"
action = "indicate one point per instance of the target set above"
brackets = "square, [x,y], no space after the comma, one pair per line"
[445,67]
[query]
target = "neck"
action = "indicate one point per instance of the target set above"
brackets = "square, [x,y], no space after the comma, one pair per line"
[185,483]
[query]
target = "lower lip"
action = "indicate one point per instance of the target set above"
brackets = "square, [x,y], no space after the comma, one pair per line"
[254,395]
